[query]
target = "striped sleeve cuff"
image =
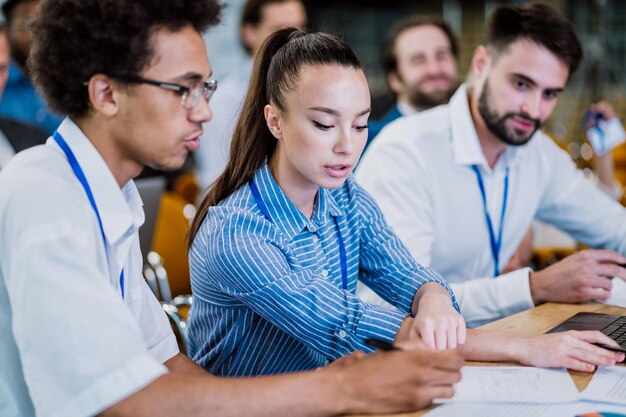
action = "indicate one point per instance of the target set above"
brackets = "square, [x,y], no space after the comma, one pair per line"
[379,323]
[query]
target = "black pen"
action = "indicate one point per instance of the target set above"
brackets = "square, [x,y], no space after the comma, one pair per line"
[380,344]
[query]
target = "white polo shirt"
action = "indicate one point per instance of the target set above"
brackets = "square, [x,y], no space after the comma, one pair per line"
[70,345]
[419,171]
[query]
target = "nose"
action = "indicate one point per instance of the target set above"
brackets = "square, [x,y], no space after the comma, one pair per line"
[201,113]
[532,105]
[431,66]
[345,143]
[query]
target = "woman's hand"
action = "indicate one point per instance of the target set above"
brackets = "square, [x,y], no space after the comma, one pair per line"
[436,321]
[571,349]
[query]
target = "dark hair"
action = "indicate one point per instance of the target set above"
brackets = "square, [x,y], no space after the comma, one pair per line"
[75,39]
[9,6]
[276,71]
[251,14]
[539,23]
[388,58]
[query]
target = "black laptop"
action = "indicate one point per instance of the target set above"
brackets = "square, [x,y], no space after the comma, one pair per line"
[611,325]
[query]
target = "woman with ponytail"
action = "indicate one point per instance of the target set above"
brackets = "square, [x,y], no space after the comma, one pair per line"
[285,233]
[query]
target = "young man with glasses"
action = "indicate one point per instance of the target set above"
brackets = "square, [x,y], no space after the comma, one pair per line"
[81,332]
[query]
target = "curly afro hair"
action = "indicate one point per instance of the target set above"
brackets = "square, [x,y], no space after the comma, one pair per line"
[75,39]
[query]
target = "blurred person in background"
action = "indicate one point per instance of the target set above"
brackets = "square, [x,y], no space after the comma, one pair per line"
[259,19]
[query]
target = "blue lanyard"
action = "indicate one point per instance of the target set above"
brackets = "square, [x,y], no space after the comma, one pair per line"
[496,245]
[343,258]
[83,181]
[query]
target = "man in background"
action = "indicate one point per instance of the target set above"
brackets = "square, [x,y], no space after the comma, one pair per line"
[14,136]
[259,19]
[420,62]
[21,101]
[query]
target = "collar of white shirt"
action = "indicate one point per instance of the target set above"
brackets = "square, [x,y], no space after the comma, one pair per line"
[466,149]
[283,211]
[121,210]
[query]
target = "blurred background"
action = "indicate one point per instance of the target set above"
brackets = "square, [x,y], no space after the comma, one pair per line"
[600,24]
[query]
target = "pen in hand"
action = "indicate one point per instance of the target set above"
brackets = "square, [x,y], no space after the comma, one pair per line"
[380,344]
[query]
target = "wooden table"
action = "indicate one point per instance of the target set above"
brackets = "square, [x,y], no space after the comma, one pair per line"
[537,321]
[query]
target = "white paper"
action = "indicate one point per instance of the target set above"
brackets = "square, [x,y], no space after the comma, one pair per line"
[618,293]
[513,384]
[607,385]
[523,410]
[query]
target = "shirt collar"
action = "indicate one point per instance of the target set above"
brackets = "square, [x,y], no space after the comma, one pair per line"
[285,214]
[404,109]
[121,210]
[466,147]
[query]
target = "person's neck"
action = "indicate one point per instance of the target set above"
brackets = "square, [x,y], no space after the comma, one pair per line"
[99,134]
[491,145]
[302,196]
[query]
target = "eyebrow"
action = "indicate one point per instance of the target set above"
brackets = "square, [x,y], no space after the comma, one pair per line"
[192,76]
[534,84]
[333,112]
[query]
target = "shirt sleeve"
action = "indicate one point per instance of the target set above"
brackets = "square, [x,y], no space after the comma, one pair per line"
[574,204]
[81,349]
[248,259]
[483,300]
[386,265]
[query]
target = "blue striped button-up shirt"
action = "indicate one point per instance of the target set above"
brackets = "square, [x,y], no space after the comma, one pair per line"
[268,295]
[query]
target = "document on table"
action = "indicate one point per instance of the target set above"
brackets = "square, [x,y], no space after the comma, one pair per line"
[525,410]
[607,385]
[513,384]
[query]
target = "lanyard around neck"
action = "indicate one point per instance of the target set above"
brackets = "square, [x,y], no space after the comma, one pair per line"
[496,244]
[343,258]
[83,181]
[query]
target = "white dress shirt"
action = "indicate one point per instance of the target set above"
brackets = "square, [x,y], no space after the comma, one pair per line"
[419,171]
[70,345]
[212,156]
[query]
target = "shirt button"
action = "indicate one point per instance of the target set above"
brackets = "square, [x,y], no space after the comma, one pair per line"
[324,273]
[342,334]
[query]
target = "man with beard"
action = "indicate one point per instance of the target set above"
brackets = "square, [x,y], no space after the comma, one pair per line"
[461,184]
[420,63]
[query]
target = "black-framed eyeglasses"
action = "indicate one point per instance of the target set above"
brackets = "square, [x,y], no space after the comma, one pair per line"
[190,94]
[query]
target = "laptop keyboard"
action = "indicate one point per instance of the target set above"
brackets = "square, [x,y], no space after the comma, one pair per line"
[617,331]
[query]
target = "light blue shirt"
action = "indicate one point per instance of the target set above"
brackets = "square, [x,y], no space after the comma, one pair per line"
[268,296]
[20,101]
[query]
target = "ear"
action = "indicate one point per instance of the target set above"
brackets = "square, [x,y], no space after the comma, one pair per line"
[103,94]
[272,118]
[481,61]
[394,83]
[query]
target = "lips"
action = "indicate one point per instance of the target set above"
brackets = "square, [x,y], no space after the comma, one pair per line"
[193,142]
[523,124]
[338,170]
[438,82]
